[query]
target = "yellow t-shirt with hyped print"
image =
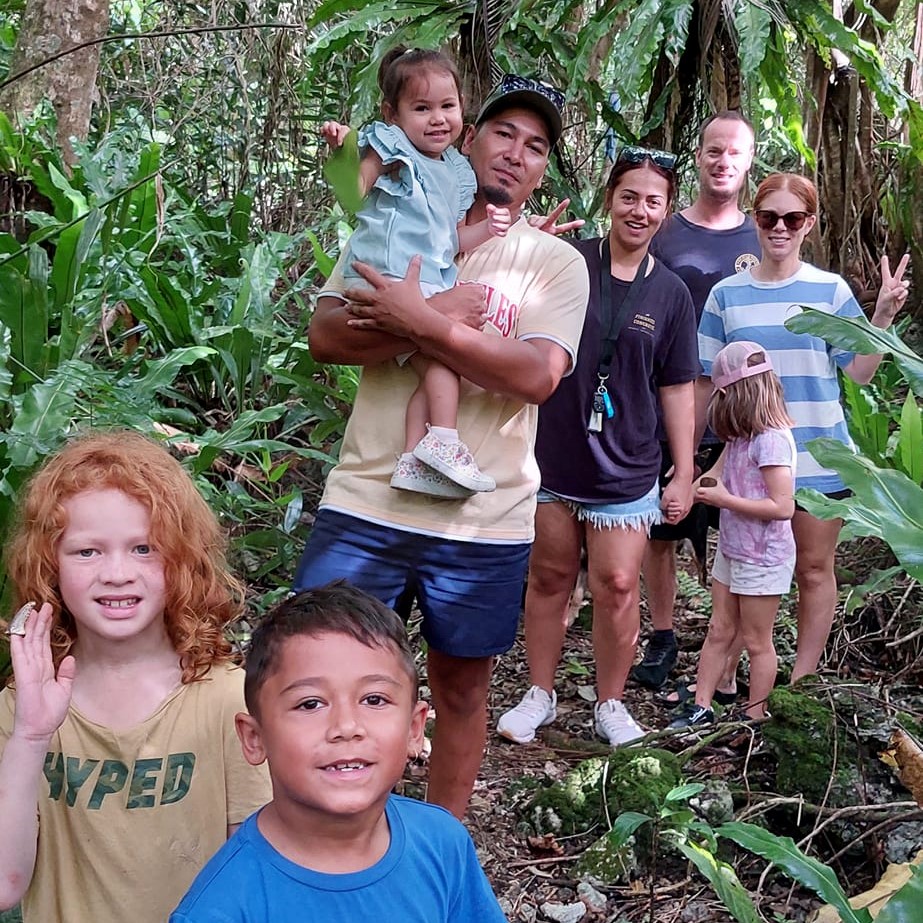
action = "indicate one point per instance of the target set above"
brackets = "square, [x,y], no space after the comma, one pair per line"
[127,819]
[537,287]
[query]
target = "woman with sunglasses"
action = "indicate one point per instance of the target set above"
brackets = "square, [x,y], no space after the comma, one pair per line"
[754,306]
[599,453]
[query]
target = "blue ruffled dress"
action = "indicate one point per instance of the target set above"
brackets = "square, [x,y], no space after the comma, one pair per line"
[415,209]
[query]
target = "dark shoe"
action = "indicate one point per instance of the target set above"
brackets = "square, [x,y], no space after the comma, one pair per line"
[685,692]
[659,660]
[692,716]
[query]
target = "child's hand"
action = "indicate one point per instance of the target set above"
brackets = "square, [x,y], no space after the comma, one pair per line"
[499,220]
[334,133]
[42,697]
[711,490]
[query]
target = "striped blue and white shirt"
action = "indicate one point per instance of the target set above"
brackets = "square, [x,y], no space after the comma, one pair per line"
[742,308]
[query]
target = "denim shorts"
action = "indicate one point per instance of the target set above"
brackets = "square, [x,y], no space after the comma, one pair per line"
[469,593]
[635,515]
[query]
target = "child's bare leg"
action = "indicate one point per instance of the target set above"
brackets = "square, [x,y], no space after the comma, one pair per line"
[440,386]
[415,418]
[722,630]
[757,619]
[728,681]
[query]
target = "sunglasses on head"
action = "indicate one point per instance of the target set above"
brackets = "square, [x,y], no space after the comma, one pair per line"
[767,220]
[635,155]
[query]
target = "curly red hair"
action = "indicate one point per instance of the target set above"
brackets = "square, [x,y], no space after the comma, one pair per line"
[202,596]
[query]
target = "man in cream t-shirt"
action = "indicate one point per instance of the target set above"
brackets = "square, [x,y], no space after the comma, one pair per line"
[465,559]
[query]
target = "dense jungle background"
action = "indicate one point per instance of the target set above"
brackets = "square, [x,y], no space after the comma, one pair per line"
[163,224]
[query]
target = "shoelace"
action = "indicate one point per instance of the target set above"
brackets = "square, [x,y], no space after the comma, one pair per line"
[532,705]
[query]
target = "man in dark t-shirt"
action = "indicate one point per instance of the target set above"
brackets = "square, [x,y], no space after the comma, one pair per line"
[706,242]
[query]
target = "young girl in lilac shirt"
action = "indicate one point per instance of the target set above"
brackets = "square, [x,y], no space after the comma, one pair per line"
[753,485]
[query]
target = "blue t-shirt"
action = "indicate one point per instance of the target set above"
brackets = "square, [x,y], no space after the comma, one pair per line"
[415,209]
[702,257]
[656,348]
[430,874]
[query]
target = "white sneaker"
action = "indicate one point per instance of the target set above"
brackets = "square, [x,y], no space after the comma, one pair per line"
[536,709]
[614,724]
[455,461]
[412,474]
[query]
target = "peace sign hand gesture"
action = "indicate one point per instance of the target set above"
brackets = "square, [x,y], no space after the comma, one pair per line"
[548,223]
[893,292]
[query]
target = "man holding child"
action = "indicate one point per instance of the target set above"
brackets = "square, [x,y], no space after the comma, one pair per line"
[464,559]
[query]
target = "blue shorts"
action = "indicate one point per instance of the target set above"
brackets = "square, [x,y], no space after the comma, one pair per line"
[469,593]
[636,515]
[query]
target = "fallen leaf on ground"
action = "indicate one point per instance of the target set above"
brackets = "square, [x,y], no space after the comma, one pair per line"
[905,755]
[546,845]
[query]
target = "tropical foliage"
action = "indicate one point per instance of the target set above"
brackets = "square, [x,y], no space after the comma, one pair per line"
[161,276]
[886,477]
[677,826]
[129,303]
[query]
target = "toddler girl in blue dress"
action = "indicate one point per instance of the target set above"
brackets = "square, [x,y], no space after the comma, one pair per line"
[418,189]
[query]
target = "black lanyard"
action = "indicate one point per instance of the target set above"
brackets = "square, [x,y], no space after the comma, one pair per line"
[611,327]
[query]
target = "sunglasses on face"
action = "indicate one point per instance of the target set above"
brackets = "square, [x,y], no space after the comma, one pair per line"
[635,155]
[767,220]
[512,83]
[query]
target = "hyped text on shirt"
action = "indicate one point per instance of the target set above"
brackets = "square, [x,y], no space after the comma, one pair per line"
[145,784]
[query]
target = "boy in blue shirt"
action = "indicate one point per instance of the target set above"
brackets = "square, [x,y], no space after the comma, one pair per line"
[331,688]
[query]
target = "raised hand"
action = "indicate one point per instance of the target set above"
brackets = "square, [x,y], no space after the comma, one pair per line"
[42,696]
[547,224]
[499,220]
[334,133]
[893,291]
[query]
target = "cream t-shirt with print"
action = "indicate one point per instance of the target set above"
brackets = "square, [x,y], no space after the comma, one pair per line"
[128,819]
[537,288]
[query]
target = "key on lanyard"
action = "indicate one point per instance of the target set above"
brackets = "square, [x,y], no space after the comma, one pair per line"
[601,405]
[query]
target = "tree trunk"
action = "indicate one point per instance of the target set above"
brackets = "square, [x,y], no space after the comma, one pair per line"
[910,176]
[49,27]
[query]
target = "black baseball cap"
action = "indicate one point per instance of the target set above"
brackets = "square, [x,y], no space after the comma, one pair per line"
[513,90]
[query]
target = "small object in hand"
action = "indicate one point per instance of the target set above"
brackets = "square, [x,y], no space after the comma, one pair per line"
[18,625]
[708,482]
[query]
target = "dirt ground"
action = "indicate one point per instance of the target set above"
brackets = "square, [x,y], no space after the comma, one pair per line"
[526,877]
